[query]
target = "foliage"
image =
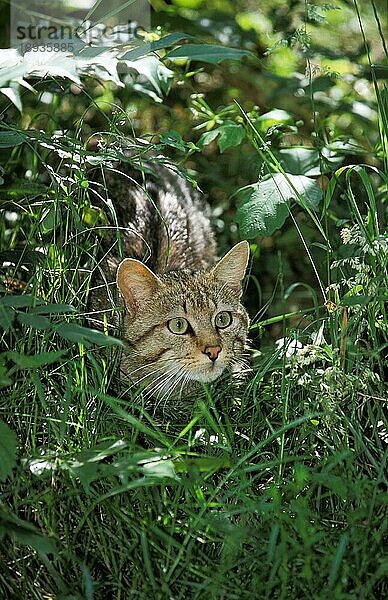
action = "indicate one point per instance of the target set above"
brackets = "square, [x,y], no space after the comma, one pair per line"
[273,488]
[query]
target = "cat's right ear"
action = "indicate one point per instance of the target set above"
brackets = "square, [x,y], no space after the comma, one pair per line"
[230,270]
[136,283]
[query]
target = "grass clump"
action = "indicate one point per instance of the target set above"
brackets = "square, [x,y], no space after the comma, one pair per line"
[273,489]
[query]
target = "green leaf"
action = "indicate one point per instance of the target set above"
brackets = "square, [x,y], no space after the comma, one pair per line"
[50,309]
[156,74]
[210,53]
[10,139]
[23,532]
[6,316]
[300,160]
[84,335]
[172,138]
[207,137]
[164,42]
[50,219]
[231,134]
[7,450]
[276,116]
[264,205]
[358,300]
[25,361]
[35,321]
[21,301]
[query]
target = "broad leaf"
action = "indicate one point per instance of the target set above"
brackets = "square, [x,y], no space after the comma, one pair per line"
[25,361]
[83,335]
[231,134]
[9,139]
[23,532]
[6,316]
[7,450]
[164,42]
[154,73]
[35,321]
[264,205]
[210,53]
[300,160]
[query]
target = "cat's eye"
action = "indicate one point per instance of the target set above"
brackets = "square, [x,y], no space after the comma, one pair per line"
[179,325]
[223,319]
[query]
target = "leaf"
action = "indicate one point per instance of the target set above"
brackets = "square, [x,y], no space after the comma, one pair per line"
[21,301]
[7,450]
[160,469]
[300,160]
[25,361]
[50,219]
[6,316]
[155,73]
[10,139]
[83,335]
[210,53]
[23,532]
[164,42]
[172,138]
[358,300]
[49,309]
[50,64]
[35,321]
[13,93]
[231,134]
[207,137]
[21,189]
[276,116]
[264,205]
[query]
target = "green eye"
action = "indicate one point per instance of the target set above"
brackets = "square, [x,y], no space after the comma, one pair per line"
[179,326]
[223,319]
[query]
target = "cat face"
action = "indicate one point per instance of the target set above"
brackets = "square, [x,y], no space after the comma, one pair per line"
[183,327]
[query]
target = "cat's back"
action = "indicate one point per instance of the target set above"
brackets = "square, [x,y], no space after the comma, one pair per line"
[155,216]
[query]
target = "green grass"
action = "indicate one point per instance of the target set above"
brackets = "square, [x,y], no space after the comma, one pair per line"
[274,487]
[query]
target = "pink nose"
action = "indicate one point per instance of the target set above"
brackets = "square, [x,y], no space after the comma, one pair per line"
[212,352]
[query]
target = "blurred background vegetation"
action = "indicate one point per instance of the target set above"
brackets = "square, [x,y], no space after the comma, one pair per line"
[278,489]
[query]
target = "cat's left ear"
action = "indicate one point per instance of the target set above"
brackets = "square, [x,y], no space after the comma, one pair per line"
[231,268]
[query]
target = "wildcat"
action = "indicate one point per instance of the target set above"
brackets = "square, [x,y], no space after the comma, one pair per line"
[183,322]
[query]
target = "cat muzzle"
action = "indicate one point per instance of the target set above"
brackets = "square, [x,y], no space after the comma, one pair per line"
[212,352]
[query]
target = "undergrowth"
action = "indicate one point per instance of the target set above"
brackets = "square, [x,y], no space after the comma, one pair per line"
[274,488]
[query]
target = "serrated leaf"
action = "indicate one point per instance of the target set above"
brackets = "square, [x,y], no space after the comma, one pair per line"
[210,53]
[21,301]
[50,309]
[7,450]
[25,361]
[83,335]
[231,134]
[35,321]
[264,205]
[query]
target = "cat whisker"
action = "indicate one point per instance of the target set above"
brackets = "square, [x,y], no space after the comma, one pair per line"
[154,387]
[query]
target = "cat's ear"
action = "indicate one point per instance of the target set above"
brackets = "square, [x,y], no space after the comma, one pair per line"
[136,283]
[231,268]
